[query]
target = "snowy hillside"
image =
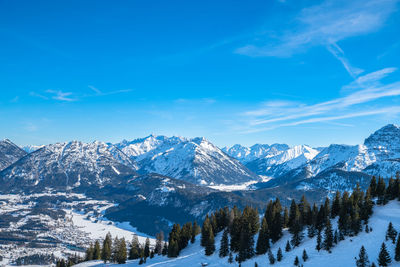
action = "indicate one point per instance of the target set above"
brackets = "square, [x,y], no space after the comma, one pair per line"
[342,254]
[194,160]
[9,153]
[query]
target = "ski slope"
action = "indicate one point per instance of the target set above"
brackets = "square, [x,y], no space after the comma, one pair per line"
[342,255]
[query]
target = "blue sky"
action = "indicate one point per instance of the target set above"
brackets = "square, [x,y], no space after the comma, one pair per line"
[296,72]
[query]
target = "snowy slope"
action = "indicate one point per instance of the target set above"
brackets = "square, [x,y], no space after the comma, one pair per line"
[195,160]
[9,153]
[342,255]
[31,148]
[68,165]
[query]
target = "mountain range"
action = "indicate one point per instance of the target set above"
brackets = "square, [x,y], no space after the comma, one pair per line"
[158,173]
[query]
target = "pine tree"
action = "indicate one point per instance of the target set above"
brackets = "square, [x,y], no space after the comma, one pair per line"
[246,245]
[336,237]
[328,236]
[97,251]
[107,248]
[195,231]
[397,250]
[263,238]
[173,249]
[319,240]
[134,249]
[210,243]
[271,257]
[159,243]
[373,264]
[147,248]
[230,257]
[121,251]
[305,256]
[288,247]
[384,257]
[362,260]
[89,253]
[373,186]
[114,249]
[296,261]
[165,249]
[224,248]
[381,191]
[391,233]
[335,205]
[279,255]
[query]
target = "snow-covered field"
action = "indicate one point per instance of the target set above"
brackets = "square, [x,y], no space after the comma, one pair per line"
[342,255]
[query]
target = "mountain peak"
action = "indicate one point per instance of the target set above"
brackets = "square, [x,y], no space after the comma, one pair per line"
[386,136]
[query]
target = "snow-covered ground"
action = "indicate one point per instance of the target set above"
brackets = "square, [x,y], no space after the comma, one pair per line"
[342,255]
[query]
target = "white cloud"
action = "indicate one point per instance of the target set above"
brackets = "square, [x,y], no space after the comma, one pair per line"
[323,24]
[282,113]
[369,80]
[61,96]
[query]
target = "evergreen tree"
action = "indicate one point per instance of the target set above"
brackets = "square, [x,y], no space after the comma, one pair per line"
[328,236]
[159,243]
[288,247]
[335,205]
[319,240]
[114,249]
[391,233]
[224,248]
[397,250]
[271,257]
[362,260]
[107,248]
[195,231]
[263,238]
[373,264]
[147,248]
[165,249]
[285,218]
[296,261]
[97,251]
[89,253]
[230,257]
[384,257]
[134,249]
[373,186]
[173,249]
[305,256]
[210,242]
[246,245]
[279,255]
[336,237]
[381,191]
[121,251]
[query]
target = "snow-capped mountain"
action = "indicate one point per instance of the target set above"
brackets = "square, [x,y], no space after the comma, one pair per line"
[194,160]
[31,148]
[9,153]
[257,151]
[272,160]
[283,162]
[68,165]
[379,155]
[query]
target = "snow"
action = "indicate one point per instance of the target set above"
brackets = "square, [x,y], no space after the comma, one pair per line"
[234,187]
[342,255]
[98,228]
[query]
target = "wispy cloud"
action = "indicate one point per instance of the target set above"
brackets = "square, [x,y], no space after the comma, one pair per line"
[61,96]
[372,79]
[99,92]
[339,54]
[324,24]
[276,114]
